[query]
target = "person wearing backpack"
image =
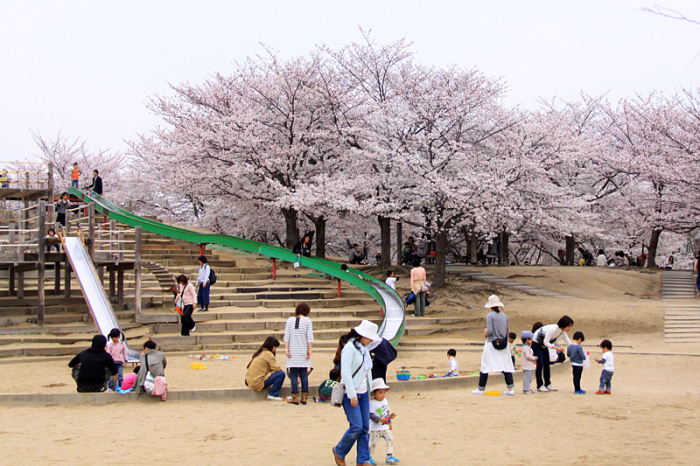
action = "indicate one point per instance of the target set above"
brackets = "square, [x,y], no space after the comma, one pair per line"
[203,285]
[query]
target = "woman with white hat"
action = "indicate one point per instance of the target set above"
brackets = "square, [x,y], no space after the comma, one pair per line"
[356,375]
[496,357]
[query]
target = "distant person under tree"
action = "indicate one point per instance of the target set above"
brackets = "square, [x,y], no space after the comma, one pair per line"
[356,256]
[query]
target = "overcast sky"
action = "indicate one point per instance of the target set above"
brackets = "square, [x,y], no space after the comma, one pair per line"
[87,68]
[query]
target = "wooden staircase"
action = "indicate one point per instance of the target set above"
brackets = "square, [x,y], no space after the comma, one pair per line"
[247,305]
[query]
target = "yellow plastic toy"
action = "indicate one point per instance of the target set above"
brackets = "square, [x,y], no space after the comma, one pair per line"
[493,393]
[197,365]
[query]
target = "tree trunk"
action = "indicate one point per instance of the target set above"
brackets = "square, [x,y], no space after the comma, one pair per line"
[290,218]
[399,242]
[385,227]
[503,249]
[653,245]
[320,227]
[473,247]
[570,249]
[440,256]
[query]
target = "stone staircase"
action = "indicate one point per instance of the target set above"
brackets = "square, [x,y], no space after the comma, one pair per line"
[247,305]
[471,272]
[681,315]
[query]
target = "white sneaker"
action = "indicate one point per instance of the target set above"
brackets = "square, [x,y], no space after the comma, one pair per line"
[528,392]
[509,393]
[551,389]
[477,392]
[542,389]
[194,328]
[274,398]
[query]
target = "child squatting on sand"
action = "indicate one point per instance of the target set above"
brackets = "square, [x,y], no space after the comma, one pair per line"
[380,425]
[528,361]
[325,390]
[608,362]
[452,361]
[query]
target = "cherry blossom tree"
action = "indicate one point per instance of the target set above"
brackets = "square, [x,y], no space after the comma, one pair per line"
[251,137]
[373,74]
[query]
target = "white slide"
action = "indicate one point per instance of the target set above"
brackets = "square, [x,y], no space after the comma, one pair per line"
[395,315]
[95,296]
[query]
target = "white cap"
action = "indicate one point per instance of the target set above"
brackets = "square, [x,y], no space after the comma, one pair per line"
[378,384]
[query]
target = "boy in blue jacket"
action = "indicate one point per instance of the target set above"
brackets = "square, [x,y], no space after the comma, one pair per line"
[577,356]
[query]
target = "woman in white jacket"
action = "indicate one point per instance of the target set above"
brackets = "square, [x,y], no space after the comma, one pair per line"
[545,337]
[356,374]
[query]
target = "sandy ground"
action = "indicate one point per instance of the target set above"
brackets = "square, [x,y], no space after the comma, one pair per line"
[645,420]
[653,415]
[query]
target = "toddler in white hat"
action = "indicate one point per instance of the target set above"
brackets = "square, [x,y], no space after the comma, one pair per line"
[380,425]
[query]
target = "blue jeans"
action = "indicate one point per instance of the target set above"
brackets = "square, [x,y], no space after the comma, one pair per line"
[302,373]
[203,295]
[276,380]
[120,375]
[74,183]
[605,381]
[358,431]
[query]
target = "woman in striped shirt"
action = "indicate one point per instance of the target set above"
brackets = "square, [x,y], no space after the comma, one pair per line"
[298,340]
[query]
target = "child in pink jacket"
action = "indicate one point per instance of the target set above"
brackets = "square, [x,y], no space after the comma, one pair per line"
[117,350]
[528,361]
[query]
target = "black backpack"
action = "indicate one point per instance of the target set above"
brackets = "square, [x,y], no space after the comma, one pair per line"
[212,276]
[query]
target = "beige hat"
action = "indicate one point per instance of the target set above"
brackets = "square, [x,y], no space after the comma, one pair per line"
[369,330]
[493,302]
[378,384]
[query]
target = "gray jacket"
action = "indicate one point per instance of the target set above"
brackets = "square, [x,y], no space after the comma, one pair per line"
[156,366]
[496,326]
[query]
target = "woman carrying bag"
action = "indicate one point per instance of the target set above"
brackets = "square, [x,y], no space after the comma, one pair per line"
[356,375]
[496,356]
[185,300]
[152,362]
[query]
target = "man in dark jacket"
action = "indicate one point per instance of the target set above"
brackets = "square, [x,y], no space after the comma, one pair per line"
[94,363]
[96,185]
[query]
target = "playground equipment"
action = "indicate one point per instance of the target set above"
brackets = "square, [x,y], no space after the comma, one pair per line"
[95,296]
[392,306]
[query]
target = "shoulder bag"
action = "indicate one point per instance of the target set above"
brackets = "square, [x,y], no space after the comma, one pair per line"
[500,343]
[149,382]
[180,303]
[155,386]
[339,391]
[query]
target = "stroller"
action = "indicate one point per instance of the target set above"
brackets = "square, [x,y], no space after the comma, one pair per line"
[588,258]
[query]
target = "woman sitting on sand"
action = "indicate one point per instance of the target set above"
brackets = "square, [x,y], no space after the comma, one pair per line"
[263,370]
[356,374]
[153,362]
[496,356]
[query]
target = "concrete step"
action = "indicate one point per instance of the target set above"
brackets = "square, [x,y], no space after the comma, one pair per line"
[175,254]
[278,325]
[258,313]
[89,328]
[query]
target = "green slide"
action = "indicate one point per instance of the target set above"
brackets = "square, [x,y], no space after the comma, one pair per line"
[393,307]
